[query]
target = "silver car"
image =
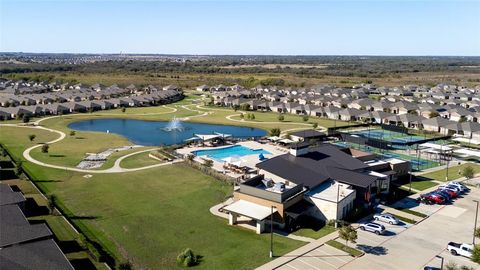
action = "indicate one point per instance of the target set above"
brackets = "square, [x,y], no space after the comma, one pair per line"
[387,218]
[373,227]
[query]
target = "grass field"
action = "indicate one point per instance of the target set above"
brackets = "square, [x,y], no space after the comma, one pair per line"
[420,183]
[315,234]
[163,209]
[454,172]
[138,160]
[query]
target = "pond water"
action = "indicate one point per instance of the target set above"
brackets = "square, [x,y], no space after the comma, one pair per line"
[159,132]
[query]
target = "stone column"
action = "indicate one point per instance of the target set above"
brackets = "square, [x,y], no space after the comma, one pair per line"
[232,218]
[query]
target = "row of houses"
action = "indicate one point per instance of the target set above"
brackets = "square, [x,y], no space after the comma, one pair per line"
[152,99]
[24,245]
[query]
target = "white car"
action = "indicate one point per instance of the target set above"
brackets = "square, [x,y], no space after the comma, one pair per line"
[460,249]
[373,227]
[461,186]
[387,218]
[456,188]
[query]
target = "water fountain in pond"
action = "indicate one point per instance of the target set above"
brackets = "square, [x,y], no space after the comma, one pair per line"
[174,125]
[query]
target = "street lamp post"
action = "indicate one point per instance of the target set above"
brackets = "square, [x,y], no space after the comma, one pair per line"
[441,262]
[410,184]
[271,232]
[475,226]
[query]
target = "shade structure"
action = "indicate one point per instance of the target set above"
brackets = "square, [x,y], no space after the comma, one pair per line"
[249,209]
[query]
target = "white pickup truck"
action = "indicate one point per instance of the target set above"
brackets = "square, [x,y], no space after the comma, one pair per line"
[460,249]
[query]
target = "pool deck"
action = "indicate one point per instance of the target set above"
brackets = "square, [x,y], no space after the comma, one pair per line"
[248,160]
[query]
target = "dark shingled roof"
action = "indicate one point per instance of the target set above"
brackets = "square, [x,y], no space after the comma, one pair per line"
[8,196]
[15,229]
[316,167]
[44,254]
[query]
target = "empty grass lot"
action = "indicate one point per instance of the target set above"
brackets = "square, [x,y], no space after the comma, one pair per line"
[454,172]
[315,234]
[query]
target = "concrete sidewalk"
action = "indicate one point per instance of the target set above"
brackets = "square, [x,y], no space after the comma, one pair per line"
[283,260]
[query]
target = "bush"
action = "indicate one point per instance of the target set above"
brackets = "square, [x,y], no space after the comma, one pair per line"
[468,172]
[315,125]
[187,258]
[125,266]
[274,132]
[32,137]
[281,117]
[26,118]
[72,133]
[305,118]
[123,109]
[45,148]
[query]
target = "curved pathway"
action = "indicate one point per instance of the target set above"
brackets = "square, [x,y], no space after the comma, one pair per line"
[116,168]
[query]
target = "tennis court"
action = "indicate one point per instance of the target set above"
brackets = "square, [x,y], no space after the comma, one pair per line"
[388,135]
[417,163]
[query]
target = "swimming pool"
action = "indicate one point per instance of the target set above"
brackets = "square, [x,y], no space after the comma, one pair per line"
[231,151]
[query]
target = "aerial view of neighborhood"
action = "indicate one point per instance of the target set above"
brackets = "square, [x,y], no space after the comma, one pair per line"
[302,135]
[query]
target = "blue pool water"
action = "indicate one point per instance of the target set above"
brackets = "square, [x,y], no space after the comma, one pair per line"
[153,132]
[231,151]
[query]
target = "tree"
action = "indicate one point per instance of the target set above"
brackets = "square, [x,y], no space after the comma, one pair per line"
[242,116]
[281,117]
[305,118]
[468,172]
[31,137]
[274,132]
[477,232]
[52,202]
[245,107]
[45,148]
[476,254]
[252,116]
[26,118]
[72,133]
[315,125]
[123,109]
[348,233]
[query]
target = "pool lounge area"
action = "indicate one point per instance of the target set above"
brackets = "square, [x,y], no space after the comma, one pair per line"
[242,154]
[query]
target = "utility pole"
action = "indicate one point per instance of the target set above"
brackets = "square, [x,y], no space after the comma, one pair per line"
[475,226]
[271,232]
[338,196]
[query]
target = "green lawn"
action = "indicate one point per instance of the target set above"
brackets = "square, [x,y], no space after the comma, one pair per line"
[350,250]
[316,234]
[454,172]
[420,184]
[164,210]
[138,160]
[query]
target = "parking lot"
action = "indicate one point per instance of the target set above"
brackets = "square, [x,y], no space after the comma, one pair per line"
[403,246]
[417,246]
[323,257]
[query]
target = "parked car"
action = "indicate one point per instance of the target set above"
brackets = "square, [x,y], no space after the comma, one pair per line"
[387,218]
[432,198]
[453,193]
[455,186]
[459,184]
[444,194]
[373,227]
[460,249]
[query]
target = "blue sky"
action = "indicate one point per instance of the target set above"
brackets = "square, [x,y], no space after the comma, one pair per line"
[242,27]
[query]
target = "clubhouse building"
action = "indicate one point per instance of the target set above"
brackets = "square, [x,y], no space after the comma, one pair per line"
[324,182]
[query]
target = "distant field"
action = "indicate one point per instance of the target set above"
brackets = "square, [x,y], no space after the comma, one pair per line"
[191,80]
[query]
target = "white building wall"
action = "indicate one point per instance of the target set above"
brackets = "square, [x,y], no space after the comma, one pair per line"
[327,210]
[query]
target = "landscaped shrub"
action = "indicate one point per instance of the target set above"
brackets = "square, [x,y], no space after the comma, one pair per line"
[187,258]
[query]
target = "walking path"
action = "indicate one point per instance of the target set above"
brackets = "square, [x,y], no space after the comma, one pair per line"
[116,168]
